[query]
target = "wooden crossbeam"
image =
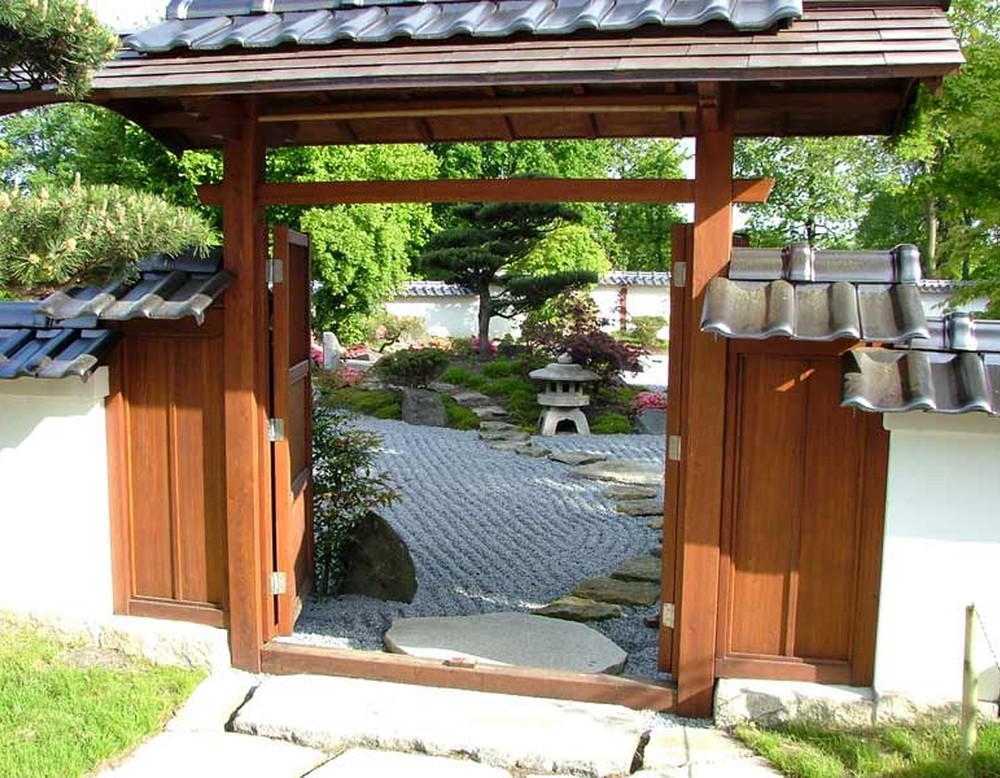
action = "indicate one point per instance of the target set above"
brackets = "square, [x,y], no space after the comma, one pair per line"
[513,190]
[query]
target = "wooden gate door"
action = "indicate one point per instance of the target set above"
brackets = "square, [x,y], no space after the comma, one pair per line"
[291,412]
[802,519]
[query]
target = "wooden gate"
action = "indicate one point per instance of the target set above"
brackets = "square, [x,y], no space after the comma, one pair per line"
[291,425]
[802,519]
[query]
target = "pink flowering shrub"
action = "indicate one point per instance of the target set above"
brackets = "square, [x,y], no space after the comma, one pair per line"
[347,376]
[650,401]
[316,354]
[475,346]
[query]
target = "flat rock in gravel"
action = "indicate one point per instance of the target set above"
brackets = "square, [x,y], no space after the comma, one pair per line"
[534,451]
[578,609]
[626,492]
[172,754]
[605,589]
[497,425]
[510,445]
[514,434]
[423,407]
[473,399]
[441,386]
[490,412]
[656,522]
[652,507]
[640,568]
[576,457]
[507,639]
[526,733]
[359,762]
[622,471]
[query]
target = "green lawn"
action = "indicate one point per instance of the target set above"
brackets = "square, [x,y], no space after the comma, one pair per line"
[809,751]
[65,710]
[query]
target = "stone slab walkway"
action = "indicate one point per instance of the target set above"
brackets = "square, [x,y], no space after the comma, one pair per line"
[321,727]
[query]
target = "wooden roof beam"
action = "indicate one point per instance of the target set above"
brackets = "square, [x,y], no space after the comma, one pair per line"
[523,190]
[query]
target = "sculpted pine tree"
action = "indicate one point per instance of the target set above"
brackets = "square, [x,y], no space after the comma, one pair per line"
[485,242]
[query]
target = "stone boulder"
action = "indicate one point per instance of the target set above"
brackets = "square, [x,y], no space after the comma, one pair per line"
[424,408]
[377,562]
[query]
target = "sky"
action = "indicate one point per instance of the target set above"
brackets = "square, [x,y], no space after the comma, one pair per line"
[126,15]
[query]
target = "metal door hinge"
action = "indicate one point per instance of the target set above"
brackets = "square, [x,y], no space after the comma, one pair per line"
[679,276]
[667,616]
[674,448]
[279,583]
[275,430]
[275,271]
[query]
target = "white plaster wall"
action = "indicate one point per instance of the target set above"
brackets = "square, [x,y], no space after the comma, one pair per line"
[455,317]
[942,552]
[55,547]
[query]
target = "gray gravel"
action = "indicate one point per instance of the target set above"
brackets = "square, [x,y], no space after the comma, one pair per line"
[495,531]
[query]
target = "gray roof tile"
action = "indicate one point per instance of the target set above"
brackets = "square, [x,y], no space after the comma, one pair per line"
[890,381]
[168,288]
[203,25]
[799,262]
[52,353]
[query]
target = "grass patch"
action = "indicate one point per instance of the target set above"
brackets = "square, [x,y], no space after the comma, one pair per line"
[459,417]
[934,751]
[502,368]
[63,711]
[461,376]
[380,403]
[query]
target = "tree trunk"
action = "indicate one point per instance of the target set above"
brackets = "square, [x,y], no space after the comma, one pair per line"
[485,314]
[930,261]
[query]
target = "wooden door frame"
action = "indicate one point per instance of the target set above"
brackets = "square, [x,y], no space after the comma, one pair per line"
[859,670]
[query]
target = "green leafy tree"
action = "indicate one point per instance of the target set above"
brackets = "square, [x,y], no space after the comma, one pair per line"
[823,187]
[57,42]
[87,235]
[640,232]
[361,253]
[484,240]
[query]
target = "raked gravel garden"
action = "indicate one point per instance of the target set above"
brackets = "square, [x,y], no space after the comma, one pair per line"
[493,530]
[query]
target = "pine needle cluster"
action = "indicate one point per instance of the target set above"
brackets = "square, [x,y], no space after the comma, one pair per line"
[83,235]
[52,42]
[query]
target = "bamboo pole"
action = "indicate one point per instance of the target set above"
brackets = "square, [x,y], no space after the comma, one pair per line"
[969,683]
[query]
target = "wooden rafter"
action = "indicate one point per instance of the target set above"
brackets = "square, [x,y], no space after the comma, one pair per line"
[533,190]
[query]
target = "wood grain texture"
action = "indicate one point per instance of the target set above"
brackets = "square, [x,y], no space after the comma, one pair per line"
[703,422]
[290,659]
[248,515]
[535,190]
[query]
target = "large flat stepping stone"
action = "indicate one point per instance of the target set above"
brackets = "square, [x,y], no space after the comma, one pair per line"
[490,412]
[578,609]
[497,425]
[173,754]
[681,746]
[653,507]
[523,733]
[626,492]
[510,445]
[657,522]
[366,763]
[640,568]
[514,435]
[605,589]
[507,639]
[623,471]
[576,457]
[473,399]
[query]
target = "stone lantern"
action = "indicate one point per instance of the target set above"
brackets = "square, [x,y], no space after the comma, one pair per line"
[563,396]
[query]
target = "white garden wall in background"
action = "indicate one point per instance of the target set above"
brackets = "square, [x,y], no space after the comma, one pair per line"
[448,317]
[55,549]
[942,552]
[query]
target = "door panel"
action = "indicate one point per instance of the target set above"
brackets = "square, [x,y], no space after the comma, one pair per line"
[291,394]
[803,521]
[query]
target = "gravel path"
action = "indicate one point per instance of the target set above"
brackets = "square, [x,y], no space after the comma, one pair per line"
[495,531]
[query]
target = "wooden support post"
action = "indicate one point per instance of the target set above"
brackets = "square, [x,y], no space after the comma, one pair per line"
[970,685]
[703,423]
[246,394]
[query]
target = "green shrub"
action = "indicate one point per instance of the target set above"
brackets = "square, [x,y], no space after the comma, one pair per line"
[415,367]
[460,376]
[382,329]
[501,368]
[346,485]
[642,332]
[611,424]
[460,417]
[381,403]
